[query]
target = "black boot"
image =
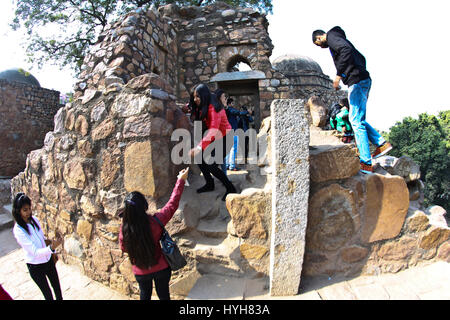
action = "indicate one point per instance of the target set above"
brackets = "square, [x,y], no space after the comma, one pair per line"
[231,189]
[208,187]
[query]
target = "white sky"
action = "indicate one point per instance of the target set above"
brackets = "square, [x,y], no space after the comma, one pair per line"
[406,44]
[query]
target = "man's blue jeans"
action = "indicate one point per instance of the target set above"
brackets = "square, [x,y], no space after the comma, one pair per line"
[357,96]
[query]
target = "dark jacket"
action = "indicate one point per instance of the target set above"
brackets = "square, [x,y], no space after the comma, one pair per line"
[350,63]
[233,117]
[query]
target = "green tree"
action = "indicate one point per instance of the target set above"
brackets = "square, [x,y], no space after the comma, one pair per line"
[427,141]
[75,24]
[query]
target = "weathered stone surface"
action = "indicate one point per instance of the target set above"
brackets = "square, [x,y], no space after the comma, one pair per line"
[102,260]
[184,219]
[398,250]
[330,218]
[250,251]
[126,105]
[103,130]
[109,170]
[417,222]
[353,254]
[138,168]
[444,252]
[317,110]
[290,150]
[406,168]
[89,94]
[434,237]
[74,174]
[81,125]
[84,229]
[387,202]
[183,285]
[249,212]
[333,163]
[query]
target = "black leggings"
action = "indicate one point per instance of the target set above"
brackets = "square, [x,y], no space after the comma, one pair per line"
[161,279]
[216,170]
[40,272]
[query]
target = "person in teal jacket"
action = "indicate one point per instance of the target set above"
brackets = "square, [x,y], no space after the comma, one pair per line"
[339,120]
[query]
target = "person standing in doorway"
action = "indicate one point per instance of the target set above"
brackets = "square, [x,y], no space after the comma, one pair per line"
[38,255]
[351,70]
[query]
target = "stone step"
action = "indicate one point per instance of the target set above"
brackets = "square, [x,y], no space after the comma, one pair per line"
[6,219]
[215,227]
[218,256]
[219,287]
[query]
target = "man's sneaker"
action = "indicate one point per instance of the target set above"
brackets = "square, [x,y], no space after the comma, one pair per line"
[382,150]
[366,168]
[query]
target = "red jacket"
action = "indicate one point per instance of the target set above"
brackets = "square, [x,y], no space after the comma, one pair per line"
[217,124]
[164,215]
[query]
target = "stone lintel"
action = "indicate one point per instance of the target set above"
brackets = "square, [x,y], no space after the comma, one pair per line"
[241,75]
[290,155]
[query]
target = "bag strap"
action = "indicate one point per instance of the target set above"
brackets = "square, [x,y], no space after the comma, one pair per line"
[160,223]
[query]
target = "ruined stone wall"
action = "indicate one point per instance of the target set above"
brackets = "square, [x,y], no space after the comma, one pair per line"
[26,115]
[139,43]
[104,145]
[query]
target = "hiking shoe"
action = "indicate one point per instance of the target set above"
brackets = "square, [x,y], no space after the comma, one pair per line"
[382,150]
[366,168]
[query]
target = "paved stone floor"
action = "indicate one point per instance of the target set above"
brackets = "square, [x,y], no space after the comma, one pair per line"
[425,282]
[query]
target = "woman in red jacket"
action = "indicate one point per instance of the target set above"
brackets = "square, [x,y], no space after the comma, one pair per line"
[139,237]
[213,117]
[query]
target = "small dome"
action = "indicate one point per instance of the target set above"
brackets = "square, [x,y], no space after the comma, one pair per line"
[292,63]
[19,75]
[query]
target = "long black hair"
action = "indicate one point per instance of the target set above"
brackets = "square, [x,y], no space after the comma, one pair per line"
[137,234]
[206,98]
[20,200]
[218,94]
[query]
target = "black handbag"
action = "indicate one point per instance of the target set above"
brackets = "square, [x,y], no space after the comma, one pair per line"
[170,249]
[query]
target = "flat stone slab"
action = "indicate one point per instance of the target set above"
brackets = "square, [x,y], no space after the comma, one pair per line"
[215,287]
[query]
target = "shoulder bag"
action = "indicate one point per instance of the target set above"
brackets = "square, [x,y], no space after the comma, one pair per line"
[170,249]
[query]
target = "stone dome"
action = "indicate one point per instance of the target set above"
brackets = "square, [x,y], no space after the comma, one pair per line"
[19,75]
[295,63]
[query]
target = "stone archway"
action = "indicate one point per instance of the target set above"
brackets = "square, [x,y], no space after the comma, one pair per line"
[228,56]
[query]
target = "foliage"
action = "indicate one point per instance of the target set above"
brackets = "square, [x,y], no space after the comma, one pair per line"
[73,25]
[427,141]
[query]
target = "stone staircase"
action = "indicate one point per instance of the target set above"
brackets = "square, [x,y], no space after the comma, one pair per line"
[214,245]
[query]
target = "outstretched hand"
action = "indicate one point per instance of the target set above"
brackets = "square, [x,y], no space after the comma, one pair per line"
[183,174]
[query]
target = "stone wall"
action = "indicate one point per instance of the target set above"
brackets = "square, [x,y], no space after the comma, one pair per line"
[103,146]
[26,115]
[367,224]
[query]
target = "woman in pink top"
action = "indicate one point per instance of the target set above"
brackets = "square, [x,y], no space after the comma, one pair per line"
[139,237]
[205,108]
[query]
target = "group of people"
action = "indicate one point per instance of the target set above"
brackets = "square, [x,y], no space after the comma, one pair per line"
[140,232]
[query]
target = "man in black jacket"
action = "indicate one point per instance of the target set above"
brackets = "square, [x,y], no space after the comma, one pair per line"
[351,70]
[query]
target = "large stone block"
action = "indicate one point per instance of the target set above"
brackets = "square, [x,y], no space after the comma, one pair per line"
[330,218]
[249,212]
[333,163]
[387,202]
[147,168]
[290,154]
